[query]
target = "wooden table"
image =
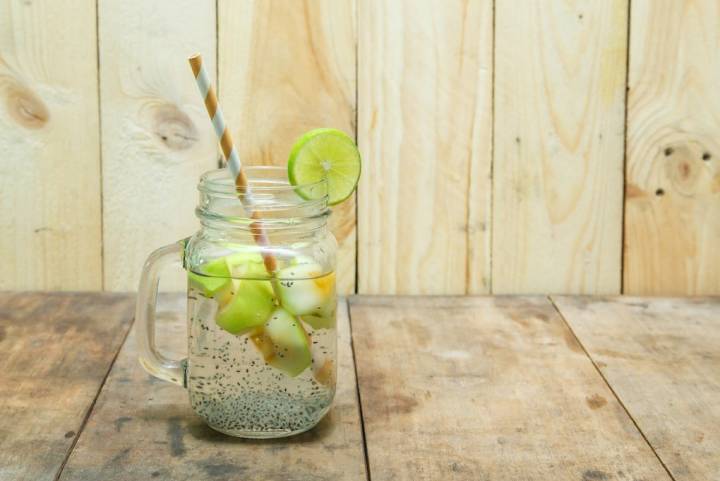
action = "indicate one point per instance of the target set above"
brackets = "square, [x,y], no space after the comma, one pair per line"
[448,388]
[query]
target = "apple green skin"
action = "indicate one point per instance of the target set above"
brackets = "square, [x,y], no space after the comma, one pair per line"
[249,306]
[283,343]
[216,277]
[246,265]
[244,303]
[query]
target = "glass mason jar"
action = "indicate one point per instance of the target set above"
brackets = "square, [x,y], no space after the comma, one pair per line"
[261,306]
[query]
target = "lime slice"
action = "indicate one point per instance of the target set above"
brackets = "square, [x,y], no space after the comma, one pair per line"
[323,153]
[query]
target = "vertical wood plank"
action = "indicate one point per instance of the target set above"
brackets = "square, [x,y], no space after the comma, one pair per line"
[285,68]
[423,126]
[479,234]
[672,210]
[559,134]
[156,137]
[49,167]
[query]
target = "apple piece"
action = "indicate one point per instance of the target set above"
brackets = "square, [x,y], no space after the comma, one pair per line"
[214,276]
[325,374]
[283,343]
[244,305]
[263,343]
[301,260]
[324,318]
[246,265]
[306,292]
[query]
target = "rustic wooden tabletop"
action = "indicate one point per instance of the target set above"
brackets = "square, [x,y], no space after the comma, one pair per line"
[476,388]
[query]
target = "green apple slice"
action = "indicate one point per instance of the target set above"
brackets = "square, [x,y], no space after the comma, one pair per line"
[306,292]
[244,305]
[246,265]
[213,277]
[283,343]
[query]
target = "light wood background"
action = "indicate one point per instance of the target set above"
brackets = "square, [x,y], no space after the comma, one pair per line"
[514,146]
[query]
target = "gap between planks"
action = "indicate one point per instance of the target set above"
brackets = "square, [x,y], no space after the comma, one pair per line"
[607,383]
[357,390]
[91,407]
[624,169]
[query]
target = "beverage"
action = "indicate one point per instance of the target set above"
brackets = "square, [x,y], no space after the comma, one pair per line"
[274,374]
[261,294]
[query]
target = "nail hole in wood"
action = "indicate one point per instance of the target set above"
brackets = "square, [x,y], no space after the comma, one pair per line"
[668,152]
[707,156]
[659,192]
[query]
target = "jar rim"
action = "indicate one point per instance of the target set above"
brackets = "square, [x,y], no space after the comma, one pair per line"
[262,179]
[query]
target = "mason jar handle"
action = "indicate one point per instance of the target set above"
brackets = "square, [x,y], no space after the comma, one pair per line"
[155,363]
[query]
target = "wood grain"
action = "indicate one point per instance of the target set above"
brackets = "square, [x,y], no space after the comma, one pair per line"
[486,388]
[558,168]
[56,350]
[424,83]
[661,357]
[286,68]
[156,136]
[143,428]
[49,139]
[672,210]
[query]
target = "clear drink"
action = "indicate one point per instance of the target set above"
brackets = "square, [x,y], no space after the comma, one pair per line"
[253,378]
[261,294]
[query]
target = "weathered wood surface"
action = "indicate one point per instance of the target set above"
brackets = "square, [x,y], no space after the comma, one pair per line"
[156,136]
[424,127]
[450,388]
[662,358]
[486,388]
[672,208]
[55,351]
[285,68]
[558,144]
[50,215]
[143,428]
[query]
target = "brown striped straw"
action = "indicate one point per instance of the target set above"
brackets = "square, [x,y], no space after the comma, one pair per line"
[218,120]
[231,154]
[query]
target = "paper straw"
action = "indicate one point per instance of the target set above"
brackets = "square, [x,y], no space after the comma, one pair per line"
[218,120]
[231,155]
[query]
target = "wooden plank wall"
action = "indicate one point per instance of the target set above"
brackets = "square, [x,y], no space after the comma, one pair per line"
[672,209]
[424,128]
[559,116]
[286,68]
[510,146]
[50,204]
[156,137]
